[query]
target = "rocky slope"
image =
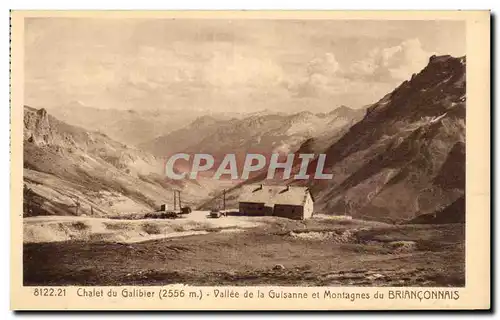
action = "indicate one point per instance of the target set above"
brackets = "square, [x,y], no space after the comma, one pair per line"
[402,158]
[454,213]
[406,157]
[68,169]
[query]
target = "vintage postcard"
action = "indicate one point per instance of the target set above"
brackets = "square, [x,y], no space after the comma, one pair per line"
[272,160]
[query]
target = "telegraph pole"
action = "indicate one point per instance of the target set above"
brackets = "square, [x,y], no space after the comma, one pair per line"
[224,199]
[175,199]
[180,203]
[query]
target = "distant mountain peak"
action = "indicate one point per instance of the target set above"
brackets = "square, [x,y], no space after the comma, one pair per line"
[442,72]
[76,104]
[343,108]
[445,58]
[303,115]
[204,120]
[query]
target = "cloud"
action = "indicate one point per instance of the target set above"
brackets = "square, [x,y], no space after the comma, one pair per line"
[224,64]
[362,81]
[326,65]
[395,63]
[228,69]
[320,77]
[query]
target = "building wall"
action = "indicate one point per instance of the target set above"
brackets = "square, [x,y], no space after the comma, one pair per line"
[308,207]
[289,211]
[255,209]
[279,210]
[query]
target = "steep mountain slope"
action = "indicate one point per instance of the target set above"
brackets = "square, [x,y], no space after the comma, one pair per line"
[454,213]
[258,133]
[406,157]
[390,164]
[66,167]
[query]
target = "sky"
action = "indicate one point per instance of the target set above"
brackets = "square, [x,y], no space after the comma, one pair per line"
[226,65]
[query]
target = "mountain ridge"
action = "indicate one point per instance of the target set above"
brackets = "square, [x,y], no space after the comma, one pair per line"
[391,164]
[262,133]
[65,165]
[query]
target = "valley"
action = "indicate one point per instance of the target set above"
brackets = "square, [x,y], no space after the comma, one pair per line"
[69,170]
[391,213]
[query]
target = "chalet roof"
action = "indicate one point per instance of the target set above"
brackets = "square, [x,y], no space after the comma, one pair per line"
[271,195]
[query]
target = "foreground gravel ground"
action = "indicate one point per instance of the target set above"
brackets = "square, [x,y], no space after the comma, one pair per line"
[317,252]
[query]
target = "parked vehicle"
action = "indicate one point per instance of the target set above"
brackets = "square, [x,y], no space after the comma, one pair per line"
[216,213]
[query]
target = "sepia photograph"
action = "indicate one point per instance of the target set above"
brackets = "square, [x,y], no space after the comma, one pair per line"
[234,151]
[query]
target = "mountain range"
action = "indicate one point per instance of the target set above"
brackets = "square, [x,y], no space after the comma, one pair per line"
[131,127]
[262,133]
[400,159]
[404,158]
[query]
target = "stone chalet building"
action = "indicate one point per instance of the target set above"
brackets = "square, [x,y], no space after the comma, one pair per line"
[282,201]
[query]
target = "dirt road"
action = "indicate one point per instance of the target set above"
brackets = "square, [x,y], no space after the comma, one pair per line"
[65,228]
